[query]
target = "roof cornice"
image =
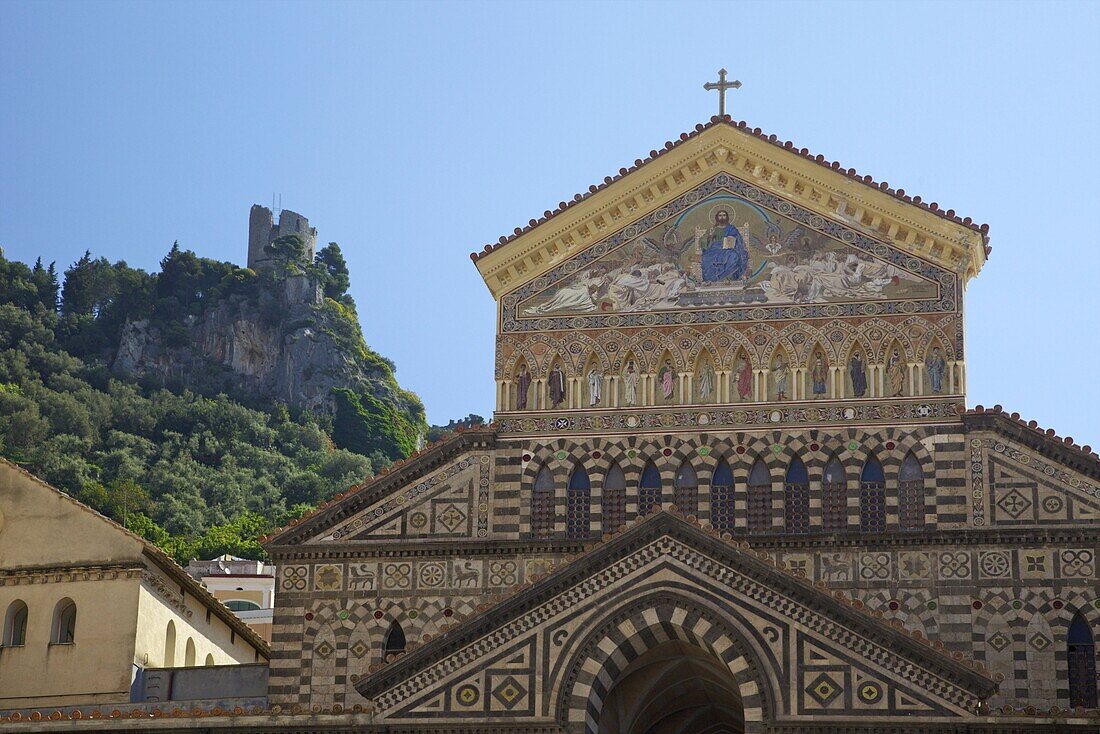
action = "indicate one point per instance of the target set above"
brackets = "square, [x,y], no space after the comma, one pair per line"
[724,146]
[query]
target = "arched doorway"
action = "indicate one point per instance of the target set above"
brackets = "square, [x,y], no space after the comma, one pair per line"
[673,688]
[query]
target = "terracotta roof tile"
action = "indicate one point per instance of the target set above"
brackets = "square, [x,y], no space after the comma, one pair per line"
[851,173]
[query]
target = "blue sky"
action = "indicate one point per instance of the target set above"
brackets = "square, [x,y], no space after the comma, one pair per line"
[414,133]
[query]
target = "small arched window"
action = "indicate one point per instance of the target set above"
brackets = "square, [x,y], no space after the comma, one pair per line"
[649,489]
[759,501]
[64,623]
[834,497]
[189,653]
[910,494]
[613,510]
[209,660]
[1082,663]
[542,504]
[721,497]
[872,497]
[796,497]
[578,501]
[687,490]
[394,641]
[15,624]
[170,645]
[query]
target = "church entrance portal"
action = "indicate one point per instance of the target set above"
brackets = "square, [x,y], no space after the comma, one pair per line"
[674,688]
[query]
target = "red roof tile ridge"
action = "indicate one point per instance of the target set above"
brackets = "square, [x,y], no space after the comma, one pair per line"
[743,126]
[1049,434]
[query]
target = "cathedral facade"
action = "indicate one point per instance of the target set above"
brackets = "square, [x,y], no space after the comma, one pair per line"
[732,485]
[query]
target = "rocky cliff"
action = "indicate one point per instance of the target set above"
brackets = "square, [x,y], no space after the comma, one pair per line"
[282,342]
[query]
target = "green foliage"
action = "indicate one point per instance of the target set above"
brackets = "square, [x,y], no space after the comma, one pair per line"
[364,424]
[196,474]
[332,270]
[289,253]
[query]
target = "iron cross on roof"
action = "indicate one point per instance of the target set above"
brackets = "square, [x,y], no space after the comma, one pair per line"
[722,85]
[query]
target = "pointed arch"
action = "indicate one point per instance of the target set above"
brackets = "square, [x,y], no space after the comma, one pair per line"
[796,497]
[759,498]
[15,625]
[593,378]
[872,496]
[817,374]
[557,383]
[542,504]
[209,660]
[169,659]
[394,641]
[780,375]
[649,489]
[63,630]
[910,493]
[631,384]
[834,497]
[1039,655]
[857,371]
[1081,660]
[741,376]
[896,370]
[668,380]
[686,497]
[189,653]
[522,380]
[706,378]
[613,512]
[578,503]
[721,497]
[934,372]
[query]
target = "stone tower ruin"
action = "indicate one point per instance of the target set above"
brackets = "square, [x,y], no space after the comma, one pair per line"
[262,231]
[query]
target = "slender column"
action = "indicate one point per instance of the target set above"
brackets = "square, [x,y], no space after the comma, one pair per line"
[538,398]
[913,384]
[688,394]
[881,380]
[951,377]
[613,387]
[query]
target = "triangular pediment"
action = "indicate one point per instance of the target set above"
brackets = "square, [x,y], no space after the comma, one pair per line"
[798,651]
[727,246]
[438,494]
[758,168]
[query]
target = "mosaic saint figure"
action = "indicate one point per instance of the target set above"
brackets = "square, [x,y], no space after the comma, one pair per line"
[668,380]
[895,371]
[630,383]
[557,386]
[523,384]
[744,379]
[781,375]
[706,381]
[819,374]
[936,367]
[595,385]
[723,250]
[859,375]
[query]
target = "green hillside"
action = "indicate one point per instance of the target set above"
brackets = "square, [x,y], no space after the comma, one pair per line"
[191,454]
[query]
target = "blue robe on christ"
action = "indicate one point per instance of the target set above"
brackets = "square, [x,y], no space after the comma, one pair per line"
[724,264]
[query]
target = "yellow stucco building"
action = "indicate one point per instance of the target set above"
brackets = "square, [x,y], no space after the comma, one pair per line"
[88,605]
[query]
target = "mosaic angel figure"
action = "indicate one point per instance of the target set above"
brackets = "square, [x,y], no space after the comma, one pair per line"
[820,375]
[858,372]
[557,386]
[667,378]
[595,386]
[523,385]
[744,379]
[781,374]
